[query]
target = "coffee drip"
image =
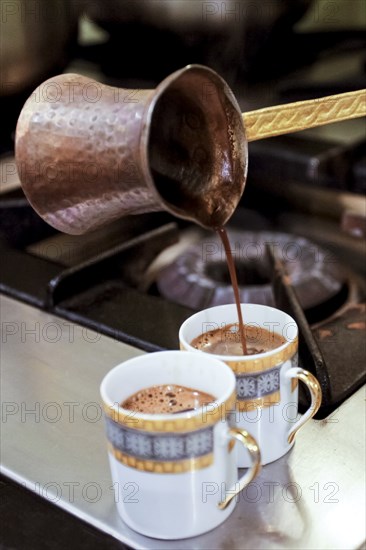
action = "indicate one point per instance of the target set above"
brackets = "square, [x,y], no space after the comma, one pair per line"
[221,231]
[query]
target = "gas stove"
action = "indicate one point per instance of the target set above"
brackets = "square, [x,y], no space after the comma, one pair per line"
[118,281]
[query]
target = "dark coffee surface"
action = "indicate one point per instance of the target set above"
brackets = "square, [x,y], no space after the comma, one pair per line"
[167,399]
[227,340]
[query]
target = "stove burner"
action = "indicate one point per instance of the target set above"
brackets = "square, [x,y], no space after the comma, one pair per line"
[199,278]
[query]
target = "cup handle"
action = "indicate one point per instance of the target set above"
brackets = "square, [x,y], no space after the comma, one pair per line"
[316,398]
[251,445]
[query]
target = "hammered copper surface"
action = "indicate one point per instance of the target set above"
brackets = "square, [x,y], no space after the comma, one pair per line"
[89,153]
[73,153]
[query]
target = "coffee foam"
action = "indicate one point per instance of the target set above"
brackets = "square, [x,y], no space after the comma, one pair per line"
[226,340]
[167,399]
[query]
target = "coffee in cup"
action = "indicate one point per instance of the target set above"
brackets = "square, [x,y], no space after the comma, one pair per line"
[167,399]
[266,380]
[226,340]
[182,465]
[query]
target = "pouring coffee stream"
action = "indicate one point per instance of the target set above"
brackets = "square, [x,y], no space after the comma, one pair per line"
[221,231]
[88,153]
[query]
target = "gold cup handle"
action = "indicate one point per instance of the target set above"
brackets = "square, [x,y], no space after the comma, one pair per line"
[316,398]
[251,445]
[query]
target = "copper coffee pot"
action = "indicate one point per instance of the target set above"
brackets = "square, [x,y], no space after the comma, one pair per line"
[88,154]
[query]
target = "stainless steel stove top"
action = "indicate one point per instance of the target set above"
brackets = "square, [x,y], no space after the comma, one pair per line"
[53,443]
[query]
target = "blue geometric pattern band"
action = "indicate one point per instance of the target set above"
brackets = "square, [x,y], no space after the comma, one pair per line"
[253,386]
[159,446]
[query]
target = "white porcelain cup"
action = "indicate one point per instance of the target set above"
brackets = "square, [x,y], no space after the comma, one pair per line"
[266,383]
[175,475]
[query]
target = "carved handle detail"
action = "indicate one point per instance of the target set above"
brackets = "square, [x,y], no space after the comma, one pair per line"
[293,117]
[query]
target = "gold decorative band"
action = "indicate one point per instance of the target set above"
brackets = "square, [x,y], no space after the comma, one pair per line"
[294,384]
[262,364]
[258,403]
[171,467]
[210,414]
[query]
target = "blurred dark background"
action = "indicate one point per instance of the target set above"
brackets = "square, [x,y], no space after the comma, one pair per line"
[269,52]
